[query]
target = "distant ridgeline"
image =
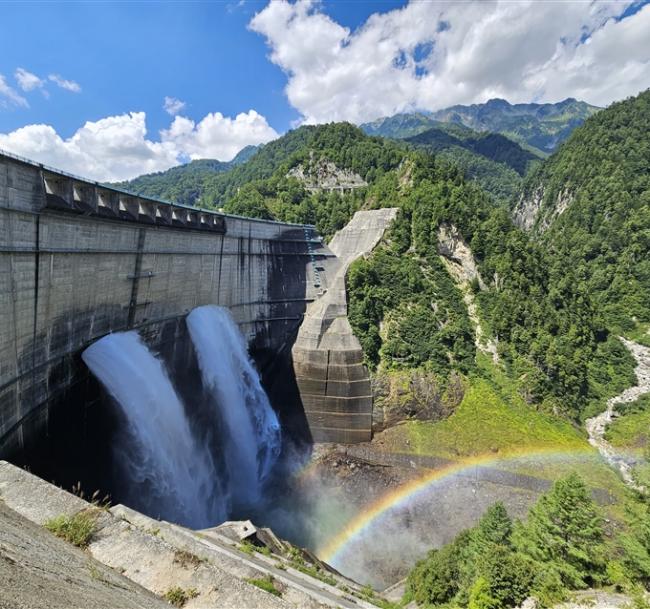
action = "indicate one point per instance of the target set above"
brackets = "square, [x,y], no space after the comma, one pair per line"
[455,277]
[540,126]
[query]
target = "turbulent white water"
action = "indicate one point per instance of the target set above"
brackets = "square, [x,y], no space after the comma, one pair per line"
[167,472]
[251,431]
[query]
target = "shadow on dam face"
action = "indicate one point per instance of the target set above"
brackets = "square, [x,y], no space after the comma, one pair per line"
[70,440]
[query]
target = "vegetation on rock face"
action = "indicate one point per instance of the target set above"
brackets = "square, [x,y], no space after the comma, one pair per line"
[499,563]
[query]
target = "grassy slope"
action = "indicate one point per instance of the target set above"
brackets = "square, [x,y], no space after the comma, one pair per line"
[494,420]
[631,431]
[487,421]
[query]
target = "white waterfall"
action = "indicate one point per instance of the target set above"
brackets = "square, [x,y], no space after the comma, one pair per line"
[167,473]
[251,434]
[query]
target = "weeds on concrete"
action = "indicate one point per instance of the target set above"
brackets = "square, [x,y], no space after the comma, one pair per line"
[77,529]
[298,562]
[266,583]
[177,596]
[247,547]
[187,559]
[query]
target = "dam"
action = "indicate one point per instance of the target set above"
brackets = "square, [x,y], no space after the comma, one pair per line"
[79,260]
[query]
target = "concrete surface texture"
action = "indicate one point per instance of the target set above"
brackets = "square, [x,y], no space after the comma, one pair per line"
[79,260]
[155,555]
[333,382]
[40,571]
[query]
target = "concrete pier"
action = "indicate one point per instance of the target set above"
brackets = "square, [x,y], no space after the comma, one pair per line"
[332,379]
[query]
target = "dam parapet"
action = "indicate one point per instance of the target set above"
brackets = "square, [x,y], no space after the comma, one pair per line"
[333,381]
[79,260]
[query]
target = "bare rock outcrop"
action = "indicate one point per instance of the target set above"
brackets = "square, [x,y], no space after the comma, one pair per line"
[325,175]
[460,264]
[530,213]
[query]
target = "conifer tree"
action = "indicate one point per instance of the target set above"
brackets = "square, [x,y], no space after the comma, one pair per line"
[564,530]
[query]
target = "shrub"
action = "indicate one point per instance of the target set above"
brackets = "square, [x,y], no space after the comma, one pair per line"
[177,597]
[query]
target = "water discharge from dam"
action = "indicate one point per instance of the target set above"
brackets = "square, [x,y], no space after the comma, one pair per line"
[252,438]
[166,472]
[171,464]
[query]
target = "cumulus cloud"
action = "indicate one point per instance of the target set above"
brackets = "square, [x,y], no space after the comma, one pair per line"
[28,81]
[218,136]
[173,106]
[117,147]
[431,55]
[9,96]
[68,85]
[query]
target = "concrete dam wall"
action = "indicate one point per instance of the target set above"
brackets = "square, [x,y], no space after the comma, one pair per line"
[79,260]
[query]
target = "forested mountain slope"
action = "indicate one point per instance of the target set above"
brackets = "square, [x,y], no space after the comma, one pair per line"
[185,183]
[401,126]
[496,162]
[406,305]
[589,207]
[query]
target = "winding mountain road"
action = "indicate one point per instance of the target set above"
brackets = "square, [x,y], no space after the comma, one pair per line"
[597,426]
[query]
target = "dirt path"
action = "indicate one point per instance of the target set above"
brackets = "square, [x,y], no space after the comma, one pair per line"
[597,426]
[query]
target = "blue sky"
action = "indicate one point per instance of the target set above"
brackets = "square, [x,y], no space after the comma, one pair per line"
[83,85]
[128,57]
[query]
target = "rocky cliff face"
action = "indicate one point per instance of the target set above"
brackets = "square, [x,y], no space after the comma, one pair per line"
[532,212]
[460,264]
[325,175]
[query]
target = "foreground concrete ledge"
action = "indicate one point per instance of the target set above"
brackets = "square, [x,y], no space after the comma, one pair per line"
[158,555]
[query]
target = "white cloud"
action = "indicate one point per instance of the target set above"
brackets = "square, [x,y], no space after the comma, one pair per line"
[117,148]
[28,81]
[173,106]
[68,85]
[431,55]
[9,96]
[218,136]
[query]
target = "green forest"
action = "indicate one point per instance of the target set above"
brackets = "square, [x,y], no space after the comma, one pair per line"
[562,545]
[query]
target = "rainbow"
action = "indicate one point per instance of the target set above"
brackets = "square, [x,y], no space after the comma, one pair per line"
[399,497]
